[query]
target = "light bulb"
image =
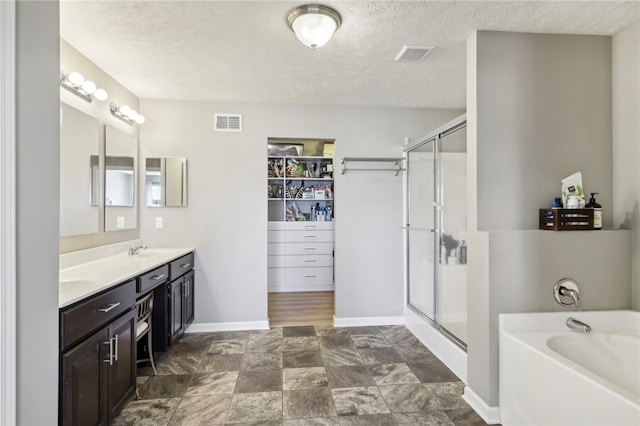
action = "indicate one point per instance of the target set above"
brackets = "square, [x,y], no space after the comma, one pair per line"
[140,119]
[124,110]
[75,78]
[89,87]
[132,114]
[100,94]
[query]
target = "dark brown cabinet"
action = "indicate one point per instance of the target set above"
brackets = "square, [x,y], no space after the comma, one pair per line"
[99,376]
[181,305]
[98,352]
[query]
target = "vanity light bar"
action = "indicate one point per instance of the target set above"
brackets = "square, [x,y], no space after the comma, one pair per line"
[86,89]
[126,114]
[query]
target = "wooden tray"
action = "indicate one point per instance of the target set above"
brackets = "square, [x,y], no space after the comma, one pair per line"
[566,219]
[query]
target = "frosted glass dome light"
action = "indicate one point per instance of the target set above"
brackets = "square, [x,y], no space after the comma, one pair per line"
[89,87]
[100,94]
[75,78]
[314,24]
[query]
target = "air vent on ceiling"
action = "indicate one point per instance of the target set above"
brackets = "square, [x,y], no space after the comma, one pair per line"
[228,122]
[414,53]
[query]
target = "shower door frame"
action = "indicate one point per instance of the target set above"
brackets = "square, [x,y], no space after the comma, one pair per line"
[438,189]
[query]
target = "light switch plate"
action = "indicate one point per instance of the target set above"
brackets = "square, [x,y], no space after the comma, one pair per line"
[159,222]
[120,222]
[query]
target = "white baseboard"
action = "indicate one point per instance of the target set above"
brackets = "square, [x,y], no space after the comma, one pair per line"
[366,321]
[208,327]
[491,415]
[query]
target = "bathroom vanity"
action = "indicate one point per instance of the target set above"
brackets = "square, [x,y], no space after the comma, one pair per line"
[98,349]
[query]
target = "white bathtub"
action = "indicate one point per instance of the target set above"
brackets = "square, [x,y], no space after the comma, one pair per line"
[551,375]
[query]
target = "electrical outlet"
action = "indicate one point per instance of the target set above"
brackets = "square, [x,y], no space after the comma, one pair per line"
[120,222]
[159,222]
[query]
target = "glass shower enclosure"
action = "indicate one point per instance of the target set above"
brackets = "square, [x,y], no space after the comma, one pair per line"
[436,218]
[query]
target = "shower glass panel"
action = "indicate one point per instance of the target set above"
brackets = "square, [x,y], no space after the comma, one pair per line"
[421,226]
[451,292]
[436,211]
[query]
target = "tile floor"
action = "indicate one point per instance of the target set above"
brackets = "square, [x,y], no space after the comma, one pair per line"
[299,376]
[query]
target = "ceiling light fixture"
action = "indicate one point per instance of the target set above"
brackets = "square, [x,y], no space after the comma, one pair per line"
[86,89]
[126,114]
[314,24]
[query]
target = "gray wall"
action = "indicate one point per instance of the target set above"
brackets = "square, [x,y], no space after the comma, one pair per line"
[226,220]
[539,109]
[37,168]
[544,112]
[626,142]
[72,60]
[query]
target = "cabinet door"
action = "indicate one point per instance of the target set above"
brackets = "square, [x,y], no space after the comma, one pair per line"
[83,398]
[176,320]
[122,369]
[188,299]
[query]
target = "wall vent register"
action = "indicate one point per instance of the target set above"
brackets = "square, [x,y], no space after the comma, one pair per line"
[228,122]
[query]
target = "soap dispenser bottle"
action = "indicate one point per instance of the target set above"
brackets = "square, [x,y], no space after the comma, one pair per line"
[597,211]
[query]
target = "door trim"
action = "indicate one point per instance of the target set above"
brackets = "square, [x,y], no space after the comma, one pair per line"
[7,214]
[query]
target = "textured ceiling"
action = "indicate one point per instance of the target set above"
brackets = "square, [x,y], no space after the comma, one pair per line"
[243,51]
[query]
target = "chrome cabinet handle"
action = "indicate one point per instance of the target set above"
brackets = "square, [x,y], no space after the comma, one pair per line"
[158,277]
[110,358]
[109,307]
[309,276]
[115,349]
[309,226]
[310,248]
[309,261]
[185,265]
[309,236]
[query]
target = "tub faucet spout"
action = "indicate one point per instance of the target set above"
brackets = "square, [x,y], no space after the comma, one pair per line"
[578,325]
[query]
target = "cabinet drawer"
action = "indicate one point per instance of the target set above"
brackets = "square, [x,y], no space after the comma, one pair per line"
[275,236]
[308,236]
[308,276]
[86,317]
[181,266]
[152,279]
[275,261]
[308,226]
[308,248]
[308,261]
[275,277]
[275,248]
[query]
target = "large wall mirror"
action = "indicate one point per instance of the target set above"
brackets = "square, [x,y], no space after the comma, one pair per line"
[166,181]
[79,172]
[121,153]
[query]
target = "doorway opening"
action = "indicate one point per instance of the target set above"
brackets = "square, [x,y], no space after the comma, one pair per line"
[301,214]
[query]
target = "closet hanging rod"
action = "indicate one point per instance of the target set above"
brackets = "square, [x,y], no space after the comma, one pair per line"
[372,159]
[396,160]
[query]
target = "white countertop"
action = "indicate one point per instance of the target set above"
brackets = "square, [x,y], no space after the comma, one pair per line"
[85,279]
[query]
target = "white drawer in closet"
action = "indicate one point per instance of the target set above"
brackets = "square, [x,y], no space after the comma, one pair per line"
[308,248]
[272,226]
[308,276]
[275,236]
[308,236]
[275,249]
[308,261]
[308,226]
[276,261]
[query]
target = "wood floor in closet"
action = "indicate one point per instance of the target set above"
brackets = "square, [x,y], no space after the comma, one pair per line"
[303,308]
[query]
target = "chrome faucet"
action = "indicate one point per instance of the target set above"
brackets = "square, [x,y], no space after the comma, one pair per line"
[575,324]
[133,250]
[566,293]
[573,294]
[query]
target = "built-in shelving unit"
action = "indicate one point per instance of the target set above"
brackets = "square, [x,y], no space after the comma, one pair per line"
[301,211]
